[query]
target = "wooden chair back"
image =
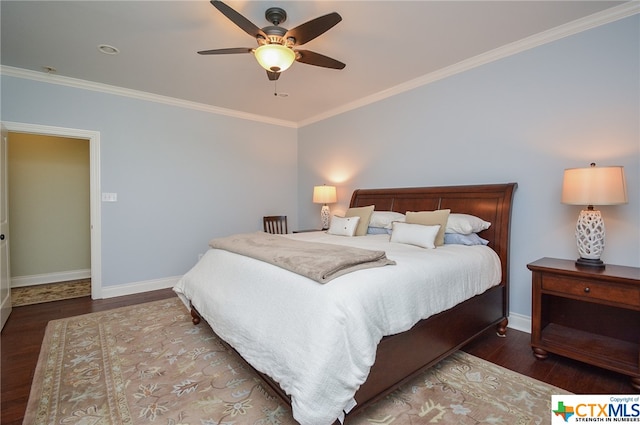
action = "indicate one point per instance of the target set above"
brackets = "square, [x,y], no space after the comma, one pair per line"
[276,224]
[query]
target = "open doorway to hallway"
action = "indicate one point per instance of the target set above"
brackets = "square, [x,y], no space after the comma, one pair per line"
[94,224]
[49,210]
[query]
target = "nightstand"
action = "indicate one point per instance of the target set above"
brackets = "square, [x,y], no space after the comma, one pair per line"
[588,314]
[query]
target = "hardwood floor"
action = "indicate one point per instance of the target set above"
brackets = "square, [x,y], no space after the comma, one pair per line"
[22,335]
[514,353]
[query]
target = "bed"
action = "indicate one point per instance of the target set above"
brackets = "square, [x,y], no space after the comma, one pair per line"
[380,352]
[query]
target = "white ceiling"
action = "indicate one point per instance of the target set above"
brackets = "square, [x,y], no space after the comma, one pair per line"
[384,44]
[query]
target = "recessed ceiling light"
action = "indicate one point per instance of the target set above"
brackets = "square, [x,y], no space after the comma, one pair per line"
[108,50]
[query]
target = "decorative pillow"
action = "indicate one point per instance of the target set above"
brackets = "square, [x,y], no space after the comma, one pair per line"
[365,216]
[459,239]
[378,231]
[414,234]
[343,226]
[431,218]
[385,218]
[465,224]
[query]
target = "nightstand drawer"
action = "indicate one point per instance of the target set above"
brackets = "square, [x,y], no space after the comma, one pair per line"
[593,290]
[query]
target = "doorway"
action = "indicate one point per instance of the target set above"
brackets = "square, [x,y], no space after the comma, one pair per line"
[93,139]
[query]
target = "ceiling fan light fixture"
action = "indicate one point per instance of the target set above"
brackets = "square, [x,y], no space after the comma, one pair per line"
[275,57]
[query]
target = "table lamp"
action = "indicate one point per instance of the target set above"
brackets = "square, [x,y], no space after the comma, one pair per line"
[592,186]
[324,195]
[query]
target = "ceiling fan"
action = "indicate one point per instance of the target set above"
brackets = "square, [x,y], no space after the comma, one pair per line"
[277,46]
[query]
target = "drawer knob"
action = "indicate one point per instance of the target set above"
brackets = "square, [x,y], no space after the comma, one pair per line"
[587,290]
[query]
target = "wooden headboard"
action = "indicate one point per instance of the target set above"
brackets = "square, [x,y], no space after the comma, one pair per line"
[490,202]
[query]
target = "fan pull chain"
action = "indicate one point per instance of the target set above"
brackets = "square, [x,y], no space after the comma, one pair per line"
[275,90]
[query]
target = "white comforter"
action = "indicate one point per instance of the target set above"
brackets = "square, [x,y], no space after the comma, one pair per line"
[318,341]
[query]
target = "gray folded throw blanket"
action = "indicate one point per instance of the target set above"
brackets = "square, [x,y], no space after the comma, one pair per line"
[321,262]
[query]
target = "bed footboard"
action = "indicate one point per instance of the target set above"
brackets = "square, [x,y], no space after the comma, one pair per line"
[402,356]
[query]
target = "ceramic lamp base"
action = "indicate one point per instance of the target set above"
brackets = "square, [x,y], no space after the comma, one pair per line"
[324,217]
[590,238]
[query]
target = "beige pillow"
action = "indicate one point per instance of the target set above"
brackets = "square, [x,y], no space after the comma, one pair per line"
[431,218]
[365,216]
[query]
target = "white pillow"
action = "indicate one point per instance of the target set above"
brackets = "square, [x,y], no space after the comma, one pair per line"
[415,234]
[465,224]
[385,218]
[343,226]
[431,218]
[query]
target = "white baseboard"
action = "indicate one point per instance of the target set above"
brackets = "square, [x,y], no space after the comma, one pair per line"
[41,279]
[520,322]
[139,287]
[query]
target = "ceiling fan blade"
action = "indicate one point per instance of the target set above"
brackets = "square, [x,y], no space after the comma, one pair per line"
[231,50]
[313,58]
[313,28]
[273,76]
[235,17]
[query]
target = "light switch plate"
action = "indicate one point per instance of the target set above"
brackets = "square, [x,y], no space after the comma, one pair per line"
[109,197]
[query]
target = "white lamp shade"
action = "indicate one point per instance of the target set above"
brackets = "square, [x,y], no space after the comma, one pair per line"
[324,194]
[594,186]
[275,57]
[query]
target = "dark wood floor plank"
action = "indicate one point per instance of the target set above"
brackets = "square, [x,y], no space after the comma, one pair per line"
[22,336]
[561,372]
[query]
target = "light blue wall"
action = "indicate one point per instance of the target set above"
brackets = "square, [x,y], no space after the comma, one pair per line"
[521,119]
[182,176]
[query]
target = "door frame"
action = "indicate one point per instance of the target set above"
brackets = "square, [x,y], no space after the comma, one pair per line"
[94,182]
[5,273]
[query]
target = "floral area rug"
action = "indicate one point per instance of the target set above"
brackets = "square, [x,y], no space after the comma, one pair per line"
[36,294]
[148,364]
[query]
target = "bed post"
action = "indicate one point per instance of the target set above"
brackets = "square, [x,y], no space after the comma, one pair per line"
[195,316]
[501,328]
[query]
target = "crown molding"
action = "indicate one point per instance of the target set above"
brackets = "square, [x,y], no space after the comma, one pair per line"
[136,94]
[601,18]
